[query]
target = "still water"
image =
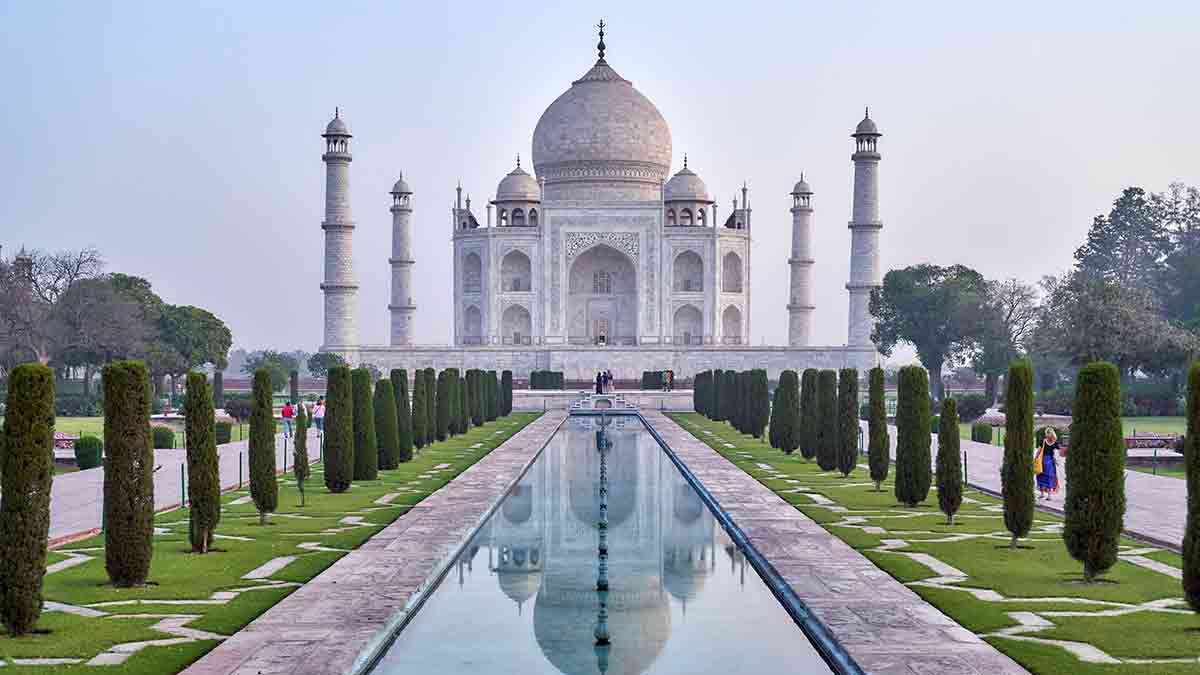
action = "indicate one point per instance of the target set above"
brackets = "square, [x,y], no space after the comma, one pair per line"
[522,597]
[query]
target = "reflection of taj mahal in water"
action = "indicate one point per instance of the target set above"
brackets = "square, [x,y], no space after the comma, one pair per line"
[597,260]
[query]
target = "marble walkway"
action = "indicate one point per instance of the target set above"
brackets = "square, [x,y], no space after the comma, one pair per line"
[334,623]
[77,499]
[885,626]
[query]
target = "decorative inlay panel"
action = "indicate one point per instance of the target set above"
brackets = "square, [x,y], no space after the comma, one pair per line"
[626,242]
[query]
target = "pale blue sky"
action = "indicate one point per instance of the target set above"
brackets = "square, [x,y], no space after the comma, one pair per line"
[183,139]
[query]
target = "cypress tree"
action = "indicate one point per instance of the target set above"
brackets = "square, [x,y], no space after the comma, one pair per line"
[827,420]
[203,465]
[847,417]
[264,489]
[476,397]
[366,446]
[718,396]
[294,387]
[430,406]
[759,399]
[949,461]
[1016,472]
[879,450]
[464,405]
[773,423]
[442,414]
[419,418]
[698,393]
[506,390]
[452,401]
[387,431]
[26,472]
[493,386]
[404,437]
[339,430]
[809,428]
[300,467]
[128,473]
[1095,505]
[218,386]
[1191,531]
[912,436]
[787,412]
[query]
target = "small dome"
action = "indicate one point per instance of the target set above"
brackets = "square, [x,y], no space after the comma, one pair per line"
[867,126]
[802,187]
[518,186]
[401,187]
[337,126]
[686,186]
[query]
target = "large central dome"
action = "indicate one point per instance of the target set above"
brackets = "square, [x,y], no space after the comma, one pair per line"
[602,130]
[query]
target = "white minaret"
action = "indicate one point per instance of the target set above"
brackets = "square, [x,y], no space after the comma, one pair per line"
[800,307]
[864,232]
[339,285]
[401,307]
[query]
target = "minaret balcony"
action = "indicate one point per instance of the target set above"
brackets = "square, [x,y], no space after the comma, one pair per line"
[336,156]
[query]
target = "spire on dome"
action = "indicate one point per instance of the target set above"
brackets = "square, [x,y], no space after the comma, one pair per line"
[518,160]
[600,46]
[685,160]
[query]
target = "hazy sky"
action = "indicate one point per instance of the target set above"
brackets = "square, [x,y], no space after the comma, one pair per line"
[183,139]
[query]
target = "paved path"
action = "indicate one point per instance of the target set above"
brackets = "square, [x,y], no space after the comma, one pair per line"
[1155,506]
[339,620]
[76,499]
[883,624]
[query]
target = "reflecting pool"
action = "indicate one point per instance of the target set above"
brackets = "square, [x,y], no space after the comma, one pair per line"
[601,507]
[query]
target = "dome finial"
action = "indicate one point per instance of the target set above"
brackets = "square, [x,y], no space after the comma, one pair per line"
[866,111]
[518,160]
[600,46]
[337,112]
[685,160]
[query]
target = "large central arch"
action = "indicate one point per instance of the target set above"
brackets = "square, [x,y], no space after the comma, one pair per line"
[602,297]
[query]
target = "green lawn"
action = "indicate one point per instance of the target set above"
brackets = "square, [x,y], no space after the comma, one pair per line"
[94,426]
[1038,578]
[242,545]
[1169,471]
[1131,425]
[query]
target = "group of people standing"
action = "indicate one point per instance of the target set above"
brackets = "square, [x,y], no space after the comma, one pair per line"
[291,409]
[604,382]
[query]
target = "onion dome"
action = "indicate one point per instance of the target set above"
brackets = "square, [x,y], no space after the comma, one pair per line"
[867,126]
[401,187]
[337,126]
[686,186]
[518,186]
[802,187]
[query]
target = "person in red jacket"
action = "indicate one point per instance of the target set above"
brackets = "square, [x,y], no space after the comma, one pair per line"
[289,416]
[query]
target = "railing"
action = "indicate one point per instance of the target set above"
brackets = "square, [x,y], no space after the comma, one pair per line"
[520,285]
[472,340]
[686,339]
[604,341]
[517,340]
[732,340]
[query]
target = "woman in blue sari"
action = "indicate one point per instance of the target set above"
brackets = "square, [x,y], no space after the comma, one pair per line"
[1047,478]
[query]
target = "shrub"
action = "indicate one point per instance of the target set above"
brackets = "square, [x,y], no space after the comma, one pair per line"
[218,387]
[729,396]
[506,393]
[264,489]
[387,431]
[224,432]
[1094,509]
[404,417]
[1191,531]
[366,448]
[717,404]
[981,432]
[879,444]
[476,397]
[827,420]
[758,402]
[78,405]
[1016,473]
[912,436]
[339,430]
[89,452]
[949,462]
[162,437]
[419,418]
[238,407]
[1055,401]
[971,407]
[453,401]
[442,414]
[300,467]
[809,433]
[128,473]
[864,412]
[28,469]
[935,424]
[203,465]
[545,379]
[847,417]
[492,400]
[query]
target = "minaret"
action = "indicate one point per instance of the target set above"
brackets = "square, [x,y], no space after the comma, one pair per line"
[800,307]
[864,232]
[339,286]
[402,308]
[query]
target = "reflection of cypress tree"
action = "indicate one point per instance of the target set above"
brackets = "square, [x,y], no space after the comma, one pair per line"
[827,420]
[847,441]
[1016,473]
[809,429]
[949,461]
[879,449]
[912,436]
[339,430]
[1095,505]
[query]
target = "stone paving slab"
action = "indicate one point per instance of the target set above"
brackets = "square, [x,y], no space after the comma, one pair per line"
[327,624]
[886,627]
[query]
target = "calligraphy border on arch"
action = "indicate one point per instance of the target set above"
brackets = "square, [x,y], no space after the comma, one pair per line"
[628,243]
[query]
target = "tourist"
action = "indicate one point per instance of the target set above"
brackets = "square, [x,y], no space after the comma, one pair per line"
[1045,464]
[669,380]
[289,416]
[599,382]
[319,415]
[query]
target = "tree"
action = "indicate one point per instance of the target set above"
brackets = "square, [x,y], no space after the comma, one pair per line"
[1094,509]
[717,409]
[1016,472]
[128,474]
[759,401]
[810,436]
[264,489]
[420,419]
[1191,531]
[949,461]
[773,423]
[786,424]
[847,418]
[879,456]
[912,436]
[452,400]
[320,363]
[506,388]
[366,448]
[404,417]
[442,432]
[827,420]
[26,472]
[1128,246]
[278,364]
[387,429]
[1008,318]
[464,406]
[476,396]
[430,406]
[203,465]
[339,430]
[935,309]
[294,386]
[729,397]
[300,467]
[218,386]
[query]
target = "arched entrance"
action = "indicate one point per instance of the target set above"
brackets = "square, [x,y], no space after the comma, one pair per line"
[688,325]
[472,326]
[515,326]
[602,298]
[731,325]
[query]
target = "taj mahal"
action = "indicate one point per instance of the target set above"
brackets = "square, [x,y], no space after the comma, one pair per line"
[600,258]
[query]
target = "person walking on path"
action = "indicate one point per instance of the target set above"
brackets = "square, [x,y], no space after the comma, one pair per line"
[1045,464]
[318,416]
[289,416]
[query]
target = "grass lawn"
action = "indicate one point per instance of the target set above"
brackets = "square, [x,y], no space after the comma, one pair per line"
[1169,471]
[997,586]
[94,426]
[1131,425]
[210,589]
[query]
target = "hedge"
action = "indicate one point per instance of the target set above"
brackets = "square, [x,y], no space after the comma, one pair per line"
[949,462]
[546,379]
[366,448]
[89,452]
[1016,472]
[971,407]
[339,430]
[981,432]
[163,437]
[128,474]
[224,432]
[203,465]
[27,470]
[264,488]
[913,474]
